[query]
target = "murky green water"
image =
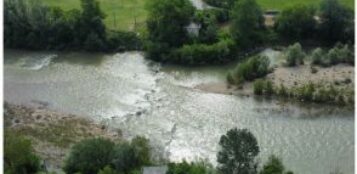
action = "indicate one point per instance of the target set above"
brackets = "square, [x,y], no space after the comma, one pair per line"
[143,98]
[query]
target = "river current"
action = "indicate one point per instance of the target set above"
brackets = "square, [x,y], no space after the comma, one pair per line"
[140,97]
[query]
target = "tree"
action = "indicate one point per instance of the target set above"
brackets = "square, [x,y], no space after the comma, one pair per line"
[239,148]
[247,24]
[297,23]
[274,166]
[167,20]
[336,22]
[18,155]
[91,21]
[227,4]
[142,150]
[89,156]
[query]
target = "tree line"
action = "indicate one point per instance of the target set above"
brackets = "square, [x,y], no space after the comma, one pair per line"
[32,25]
[168,41]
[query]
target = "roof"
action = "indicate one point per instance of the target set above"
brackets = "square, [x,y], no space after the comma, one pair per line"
[155,170]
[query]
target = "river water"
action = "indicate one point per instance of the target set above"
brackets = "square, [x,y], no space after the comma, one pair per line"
[143,98]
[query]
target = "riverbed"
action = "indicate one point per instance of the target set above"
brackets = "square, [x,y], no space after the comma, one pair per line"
[141,97]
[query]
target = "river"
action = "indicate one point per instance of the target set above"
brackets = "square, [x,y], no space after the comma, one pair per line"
[144,98]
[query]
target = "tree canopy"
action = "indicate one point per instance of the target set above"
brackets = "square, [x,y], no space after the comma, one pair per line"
[239,148]
[247,24]
[337,23]
[297,23]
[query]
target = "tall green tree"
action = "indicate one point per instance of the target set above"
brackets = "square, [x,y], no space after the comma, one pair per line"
[247,24]
[239,148]
[296,23]
[167,21]
[337,23]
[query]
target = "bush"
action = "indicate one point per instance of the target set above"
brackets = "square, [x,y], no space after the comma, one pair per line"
[19,155]
[255,67]
[296,23]
[317,56]
[258,87]
[189,168]
[195,54]
[294,55]
[92,155]
[89,156]
[274,166]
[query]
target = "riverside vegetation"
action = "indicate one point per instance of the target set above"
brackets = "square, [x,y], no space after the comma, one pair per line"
[239,149]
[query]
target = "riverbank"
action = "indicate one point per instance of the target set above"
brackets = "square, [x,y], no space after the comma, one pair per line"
[340,76]
[53,133]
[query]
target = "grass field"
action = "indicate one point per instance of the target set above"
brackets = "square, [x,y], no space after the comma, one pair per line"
[121,14]
[281,4]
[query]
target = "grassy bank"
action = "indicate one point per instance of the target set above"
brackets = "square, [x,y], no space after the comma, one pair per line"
[282,4]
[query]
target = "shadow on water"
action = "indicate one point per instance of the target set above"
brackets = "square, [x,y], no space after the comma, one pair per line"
[91,59]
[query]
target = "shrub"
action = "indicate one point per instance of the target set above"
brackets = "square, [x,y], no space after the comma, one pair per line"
[195,54]
[296,23]
[254,67]
[317,56]
[258,87]
[283,91]
[189,168]
[269,90]
[92,155]
[294,55]
[274,166]
[89,156]
[19,155]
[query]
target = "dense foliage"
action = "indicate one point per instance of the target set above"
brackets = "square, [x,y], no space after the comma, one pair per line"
[247,24]
[190,168]
[239,148]
[95,155]
[337,22]
[252,68]
[274,166]
[32,25]
[296,23]
[194,54]
[18,155]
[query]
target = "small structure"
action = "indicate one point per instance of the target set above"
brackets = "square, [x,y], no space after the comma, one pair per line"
[154,170]
[270,17]
[193,29]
